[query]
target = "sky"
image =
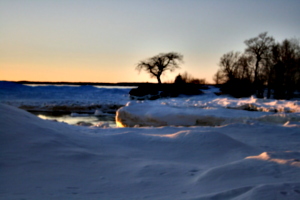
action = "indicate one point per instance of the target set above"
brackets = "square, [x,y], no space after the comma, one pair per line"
[103,41]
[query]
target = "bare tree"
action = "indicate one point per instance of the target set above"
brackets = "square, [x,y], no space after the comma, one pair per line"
[244,68]
[160,63]
[228,64]
[218,77]
[264,63]
[260,48]
[285,68]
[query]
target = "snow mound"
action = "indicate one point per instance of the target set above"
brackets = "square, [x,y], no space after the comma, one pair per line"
[150,114]
[288,191]
[255,171]
[190,146]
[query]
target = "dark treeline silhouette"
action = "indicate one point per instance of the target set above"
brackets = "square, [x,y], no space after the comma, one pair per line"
[265,65]
[187,78]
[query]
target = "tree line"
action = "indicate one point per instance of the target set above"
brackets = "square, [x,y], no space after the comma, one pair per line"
[266,68]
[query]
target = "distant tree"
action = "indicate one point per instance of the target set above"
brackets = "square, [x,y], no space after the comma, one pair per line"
[179,80]
[187,78]
[285,76]
[228,65]
[235,73]
[218,77]
[244,67]
[259,47]
[160,63]
[264,64]
[198,81]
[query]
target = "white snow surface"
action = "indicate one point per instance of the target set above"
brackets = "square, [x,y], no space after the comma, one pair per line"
[208,110]
[151,114]
[206,147]
[42,159]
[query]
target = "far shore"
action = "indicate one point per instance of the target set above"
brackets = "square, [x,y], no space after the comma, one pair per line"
[82,83]
[86,83]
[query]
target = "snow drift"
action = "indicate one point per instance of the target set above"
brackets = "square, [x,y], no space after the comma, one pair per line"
[49,160]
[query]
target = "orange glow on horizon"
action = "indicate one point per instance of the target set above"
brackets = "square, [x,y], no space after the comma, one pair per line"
[64,74]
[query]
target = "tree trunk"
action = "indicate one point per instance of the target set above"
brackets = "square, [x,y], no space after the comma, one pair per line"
[256,81]
[158,79]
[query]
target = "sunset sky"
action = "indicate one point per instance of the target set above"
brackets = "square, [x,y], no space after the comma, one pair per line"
[103,40]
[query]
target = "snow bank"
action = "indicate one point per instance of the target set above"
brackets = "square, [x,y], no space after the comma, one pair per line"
[49,160]
[154,114]
[209,100]
[208,110]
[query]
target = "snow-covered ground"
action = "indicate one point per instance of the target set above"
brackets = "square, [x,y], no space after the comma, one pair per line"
[248,155]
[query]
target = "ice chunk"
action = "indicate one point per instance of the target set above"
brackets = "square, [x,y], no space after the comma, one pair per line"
[153,114]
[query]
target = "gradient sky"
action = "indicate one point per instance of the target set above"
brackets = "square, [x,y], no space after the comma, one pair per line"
[103,40]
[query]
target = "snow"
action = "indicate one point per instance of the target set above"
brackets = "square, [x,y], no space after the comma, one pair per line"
[207,110]
[250,155]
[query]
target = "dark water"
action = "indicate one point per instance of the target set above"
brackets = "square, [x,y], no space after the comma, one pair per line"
[75,119]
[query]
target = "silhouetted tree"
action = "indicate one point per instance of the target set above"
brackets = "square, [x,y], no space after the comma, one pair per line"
[228,65]
[178,80]
[236,72]
[198,81]
[218,77]
[264,63]
[259,47]
[244,67]
[187,78]
[286,68]
[160,63]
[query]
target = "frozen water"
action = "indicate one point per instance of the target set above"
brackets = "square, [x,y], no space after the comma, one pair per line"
[206,109]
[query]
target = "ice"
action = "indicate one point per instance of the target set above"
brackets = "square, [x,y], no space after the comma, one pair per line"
[164,114]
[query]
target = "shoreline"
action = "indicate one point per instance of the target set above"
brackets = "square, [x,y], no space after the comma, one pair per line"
[81,83]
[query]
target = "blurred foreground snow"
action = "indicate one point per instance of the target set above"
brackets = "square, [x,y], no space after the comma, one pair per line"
[42,159]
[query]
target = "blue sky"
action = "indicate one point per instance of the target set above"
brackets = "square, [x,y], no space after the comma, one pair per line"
[102,41]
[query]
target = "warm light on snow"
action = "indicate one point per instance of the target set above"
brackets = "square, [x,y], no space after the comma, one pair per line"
[284,158]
